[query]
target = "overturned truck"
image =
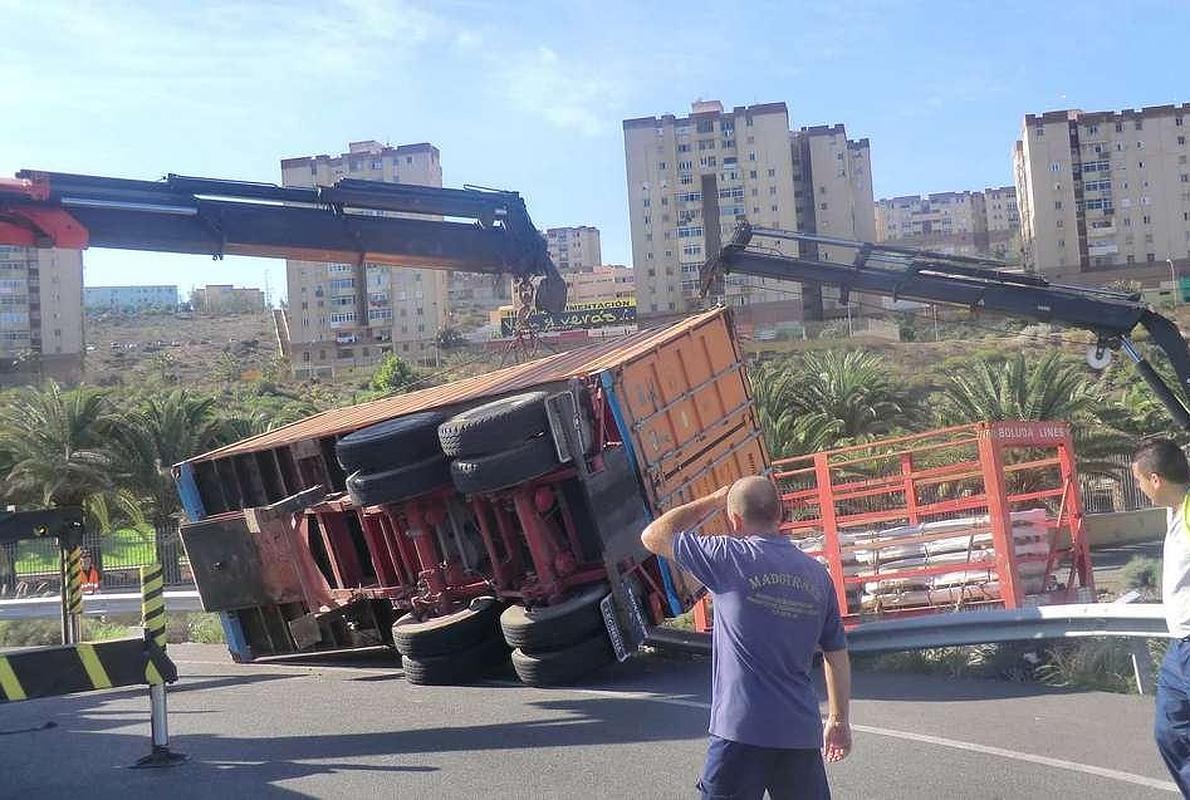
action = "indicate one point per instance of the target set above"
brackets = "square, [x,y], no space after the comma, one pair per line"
[490,518]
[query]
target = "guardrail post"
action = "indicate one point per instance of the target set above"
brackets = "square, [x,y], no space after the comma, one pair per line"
[152,583]
[1142,667]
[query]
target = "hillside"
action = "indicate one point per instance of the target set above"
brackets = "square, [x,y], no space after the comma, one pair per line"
[183,349]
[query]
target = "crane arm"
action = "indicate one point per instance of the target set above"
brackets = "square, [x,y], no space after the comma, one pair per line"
[908,274]
[353,221]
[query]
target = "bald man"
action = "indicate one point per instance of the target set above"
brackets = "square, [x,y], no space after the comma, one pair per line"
[774,607]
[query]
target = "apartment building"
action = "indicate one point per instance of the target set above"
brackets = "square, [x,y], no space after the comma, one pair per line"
[969,223]
[224,298]
[1004,224]
[41,314]
[350,315]
[946,222]
[574,249]
[833,194]
[122,299]
[602,283]
[472,297]
[693,179]
[1105,195]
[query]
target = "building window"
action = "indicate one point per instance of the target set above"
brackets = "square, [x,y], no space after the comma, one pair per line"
[822,206]
[772,208]
[1185,178]
[322,355]
[645,202]
[1059,224]
[1146,219]
[1131,259]
[1055,166]
[661,165]
[772,172]
[1140,145]
[752,156]
[684,147]
[1061,243]
[1140,125]
[1177,121]
[1057,205]
[772,190]
[1182,140]
[1150,257]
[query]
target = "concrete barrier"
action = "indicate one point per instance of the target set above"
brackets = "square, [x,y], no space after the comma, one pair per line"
[1126,527]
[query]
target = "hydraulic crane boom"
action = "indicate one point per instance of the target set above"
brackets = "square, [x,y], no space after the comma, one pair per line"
[903,273]
[353,221]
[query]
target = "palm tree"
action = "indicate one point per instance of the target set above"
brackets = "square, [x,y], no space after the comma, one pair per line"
[1000,389]
[54,450]
[1050,389]
[829,398]
[160,431]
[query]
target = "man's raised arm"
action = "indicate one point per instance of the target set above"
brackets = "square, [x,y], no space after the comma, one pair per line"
[658,537]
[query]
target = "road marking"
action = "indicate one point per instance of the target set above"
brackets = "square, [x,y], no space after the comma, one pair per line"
[682,702]
[954,744]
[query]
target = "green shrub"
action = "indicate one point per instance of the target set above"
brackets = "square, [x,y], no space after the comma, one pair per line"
[1142,573]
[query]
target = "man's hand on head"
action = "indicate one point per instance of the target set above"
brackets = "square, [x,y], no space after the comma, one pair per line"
[659,535]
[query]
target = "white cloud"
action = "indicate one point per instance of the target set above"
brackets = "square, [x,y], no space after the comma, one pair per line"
[567,95]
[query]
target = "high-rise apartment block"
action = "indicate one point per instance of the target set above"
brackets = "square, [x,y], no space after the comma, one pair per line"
[1105,195]
[574,249]
[692,180]
[983,223]
[351,315]
[41,313]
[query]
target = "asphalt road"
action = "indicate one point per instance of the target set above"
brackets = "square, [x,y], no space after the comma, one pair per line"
[338,728]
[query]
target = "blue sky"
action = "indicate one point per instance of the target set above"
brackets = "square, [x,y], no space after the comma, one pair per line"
[529,96]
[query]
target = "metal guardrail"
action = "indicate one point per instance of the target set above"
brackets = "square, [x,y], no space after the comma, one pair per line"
[1145,620]
[103,604]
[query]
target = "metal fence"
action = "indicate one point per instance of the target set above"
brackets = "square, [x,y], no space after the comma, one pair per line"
[1117,492]
[30,568]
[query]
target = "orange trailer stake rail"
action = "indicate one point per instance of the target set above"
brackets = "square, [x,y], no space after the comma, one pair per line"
[889,519]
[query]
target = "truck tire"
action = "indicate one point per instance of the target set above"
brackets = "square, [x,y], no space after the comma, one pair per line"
[554,627]
[508,468]
[397,485]
[461,667]
[495,426]
[558,667]
[388,445]
[450,633]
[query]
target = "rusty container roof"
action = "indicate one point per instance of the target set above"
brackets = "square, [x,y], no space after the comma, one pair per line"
[557,367]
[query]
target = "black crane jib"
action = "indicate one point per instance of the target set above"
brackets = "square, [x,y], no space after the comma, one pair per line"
[908,274]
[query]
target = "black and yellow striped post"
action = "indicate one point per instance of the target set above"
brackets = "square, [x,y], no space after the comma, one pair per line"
[152,587]
[74,593]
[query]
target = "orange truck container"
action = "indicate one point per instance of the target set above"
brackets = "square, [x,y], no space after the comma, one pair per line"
[299,555]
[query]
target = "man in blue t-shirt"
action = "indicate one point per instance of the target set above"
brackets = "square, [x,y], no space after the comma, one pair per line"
[774,607]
